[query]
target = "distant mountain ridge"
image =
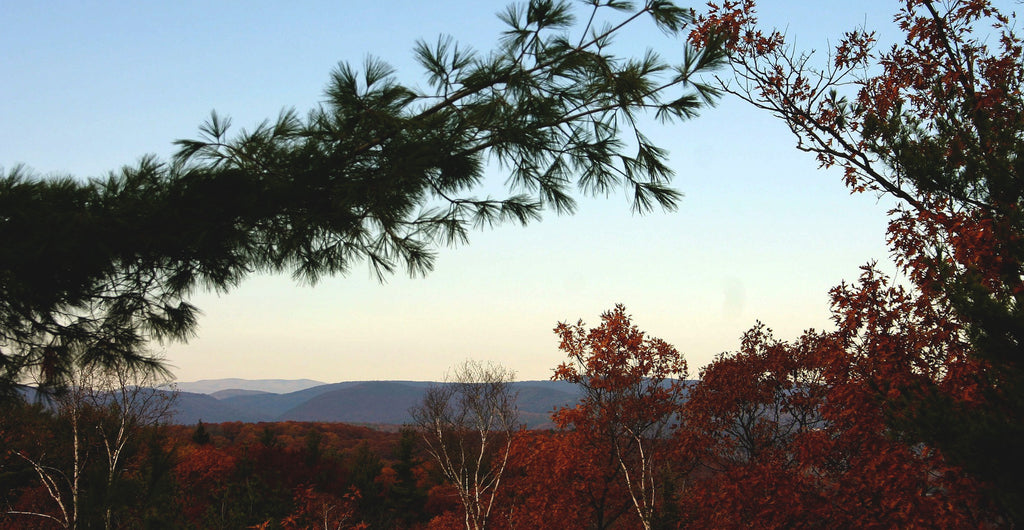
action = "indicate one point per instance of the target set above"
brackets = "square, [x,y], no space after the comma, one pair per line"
[274,386]
[381,402]
[233,392]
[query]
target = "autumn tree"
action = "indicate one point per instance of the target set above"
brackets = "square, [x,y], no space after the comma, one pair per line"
[797,431]
[382,172]
[632,388]
[565,479]
[319,510]
[751,404]
[207,471]
[935,122]
[468,425]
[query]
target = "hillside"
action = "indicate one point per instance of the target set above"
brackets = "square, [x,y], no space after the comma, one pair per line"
[379,402]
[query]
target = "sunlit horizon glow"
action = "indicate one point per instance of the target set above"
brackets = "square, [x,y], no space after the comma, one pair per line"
[761,234]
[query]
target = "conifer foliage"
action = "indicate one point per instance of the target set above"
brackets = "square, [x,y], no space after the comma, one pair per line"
[381,172]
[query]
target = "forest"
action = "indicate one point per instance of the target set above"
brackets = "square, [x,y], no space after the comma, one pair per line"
[769,435]
[907,413]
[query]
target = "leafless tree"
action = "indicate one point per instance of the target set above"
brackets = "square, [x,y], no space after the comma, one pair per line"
[104,408]
[468,424]
[133,401]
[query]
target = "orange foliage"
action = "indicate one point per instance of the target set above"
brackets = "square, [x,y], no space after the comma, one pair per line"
[205,472]
[633,386]
[562,479]
[929,376]
[798,432]
[316,509]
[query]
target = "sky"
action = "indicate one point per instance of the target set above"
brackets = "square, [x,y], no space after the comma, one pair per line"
[761,234]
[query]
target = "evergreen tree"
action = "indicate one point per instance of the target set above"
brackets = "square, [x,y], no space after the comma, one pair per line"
[381,172]
[406,498]
[364,468]
[200,436]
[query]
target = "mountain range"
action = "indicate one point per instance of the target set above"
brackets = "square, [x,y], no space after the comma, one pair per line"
[368,402]
[275,386]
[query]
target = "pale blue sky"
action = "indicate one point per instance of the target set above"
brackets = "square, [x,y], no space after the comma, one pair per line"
[761,233]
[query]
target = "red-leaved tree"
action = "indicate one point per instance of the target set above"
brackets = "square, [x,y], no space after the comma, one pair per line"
[632,388]
[937,123]
[800,431]
[563,479]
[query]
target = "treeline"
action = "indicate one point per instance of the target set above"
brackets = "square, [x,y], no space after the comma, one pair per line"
[230,475]
[777,434]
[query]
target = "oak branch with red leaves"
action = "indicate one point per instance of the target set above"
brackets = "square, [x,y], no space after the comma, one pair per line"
[936,122]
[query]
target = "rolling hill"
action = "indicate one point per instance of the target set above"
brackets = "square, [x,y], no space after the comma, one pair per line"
[378,402]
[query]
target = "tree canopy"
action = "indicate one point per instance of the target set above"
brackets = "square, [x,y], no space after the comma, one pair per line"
[936,121]
[381,172]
